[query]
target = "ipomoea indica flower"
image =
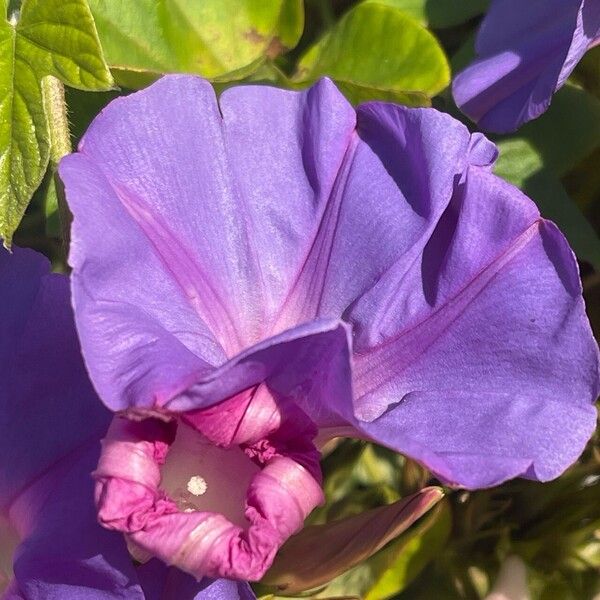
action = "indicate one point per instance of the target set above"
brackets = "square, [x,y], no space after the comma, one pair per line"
[255,275]
[51,424]
[525,52]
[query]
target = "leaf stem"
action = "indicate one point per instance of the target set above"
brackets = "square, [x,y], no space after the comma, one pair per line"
[60,145]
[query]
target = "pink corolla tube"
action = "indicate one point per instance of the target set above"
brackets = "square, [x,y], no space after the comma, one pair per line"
[204,497]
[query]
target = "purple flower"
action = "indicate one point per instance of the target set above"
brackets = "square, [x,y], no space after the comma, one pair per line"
[51,423]
[525,52]
[254,276]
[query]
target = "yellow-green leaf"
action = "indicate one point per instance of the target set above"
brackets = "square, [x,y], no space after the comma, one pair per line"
[52,37]
[60,39]
[24,145]
[379,52]
[218,39]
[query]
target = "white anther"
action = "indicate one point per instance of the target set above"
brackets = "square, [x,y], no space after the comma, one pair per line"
[196,485]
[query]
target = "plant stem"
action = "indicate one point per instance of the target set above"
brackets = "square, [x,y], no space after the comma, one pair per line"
[60,145]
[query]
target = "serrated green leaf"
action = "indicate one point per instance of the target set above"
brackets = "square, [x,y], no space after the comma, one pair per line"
[380,51]
[218,39]
[60,39]
[438,13]
[23,133]
[52,37]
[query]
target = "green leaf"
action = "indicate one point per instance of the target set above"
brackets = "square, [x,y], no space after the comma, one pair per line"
[291,24]
[567,132]
[358,94]
[587,72]
[218,39]
[546,149]
[399,564]
[23,133]
[83,108]
[50,204]
[522,164]
[52,37]
[464,55]
[378,52]
[60,39]
[438,13]
[378,466]
[518,160]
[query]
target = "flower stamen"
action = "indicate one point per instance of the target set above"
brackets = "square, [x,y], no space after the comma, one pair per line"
[197,485]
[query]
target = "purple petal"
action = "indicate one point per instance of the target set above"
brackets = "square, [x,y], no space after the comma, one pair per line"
[50,425]
[161,582]
[464,307]
[48,408]
[191,226]
[525,53]
[65,553]
[498,371]
[404,173]
[294,363]
[12,592]
[383,208]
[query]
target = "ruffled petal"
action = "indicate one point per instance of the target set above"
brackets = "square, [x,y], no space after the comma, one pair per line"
[294,363]
[448,283]
[199,541]
[525,53]
[191,223]
[403,179]
[497,373]
[395,183]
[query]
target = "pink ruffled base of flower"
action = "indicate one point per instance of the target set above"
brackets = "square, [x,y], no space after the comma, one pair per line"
[205,543]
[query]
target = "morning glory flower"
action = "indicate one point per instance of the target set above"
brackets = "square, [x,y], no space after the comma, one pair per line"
[51,424]
[255,275]
[525,52]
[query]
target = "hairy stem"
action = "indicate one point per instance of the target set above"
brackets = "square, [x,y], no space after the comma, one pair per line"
[60,145]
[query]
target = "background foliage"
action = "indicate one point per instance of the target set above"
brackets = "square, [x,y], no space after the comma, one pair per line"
[398,50]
